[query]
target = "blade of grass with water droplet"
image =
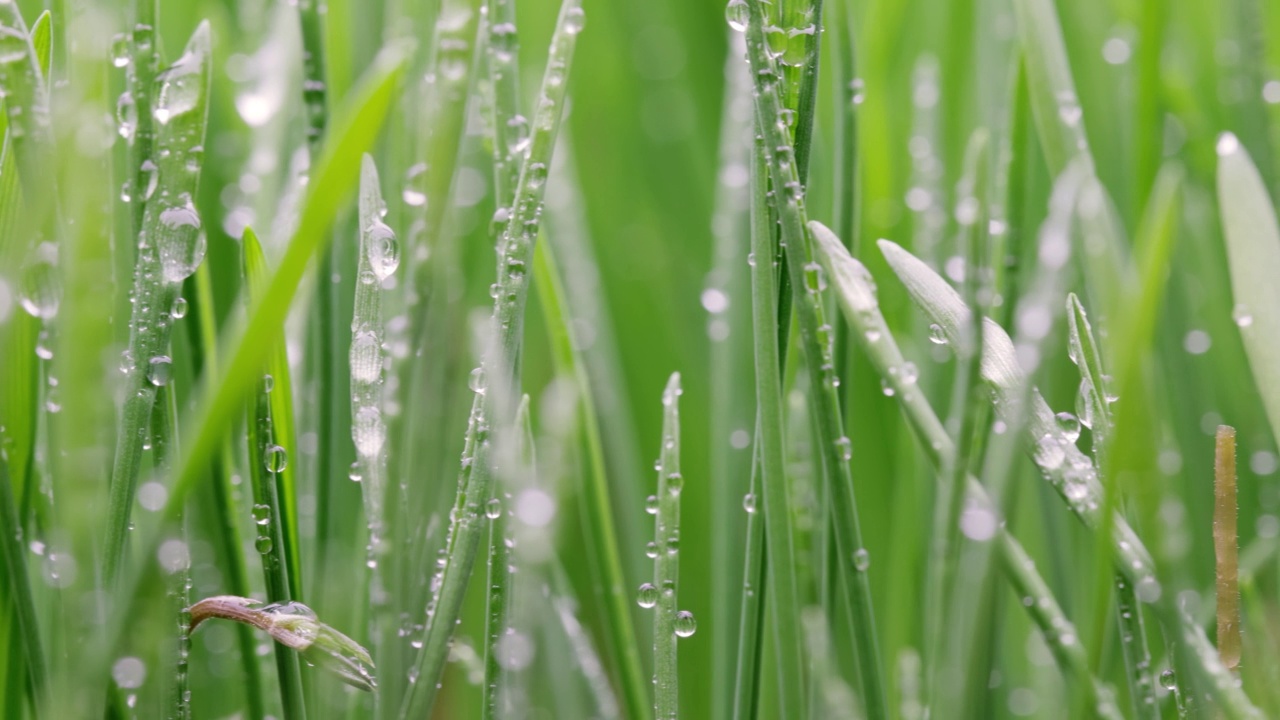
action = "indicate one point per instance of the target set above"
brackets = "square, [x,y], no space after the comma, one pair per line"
[227,534]
[170,248]
[775,494]
[42,44]
[24,626]
[1073,475]
[144,63]
[856,292]
[666,566]
[1054,104]
[267,458]
[1095,413]
[816,338]
[498,366]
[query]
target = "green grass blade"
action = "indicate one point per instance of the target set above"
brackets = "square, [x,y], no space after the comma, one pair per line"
[314,83]
[1095,413]
[775,493]
[499,364]
[499,695]
[599,521]
[816,337]
[18,586]
[223,492]
[171,247]
[267,458]
[42,43]
[140,76]
[1054,103]
[1252,238]
[669,624]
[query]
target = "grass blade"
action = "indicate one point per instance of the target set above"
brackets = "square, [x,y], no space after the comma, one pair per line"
[18,586]
[267,459]
[1225,547]
[1252,238]
[170,248]
[498,366]
[669,624]
[815,334]
[775,494]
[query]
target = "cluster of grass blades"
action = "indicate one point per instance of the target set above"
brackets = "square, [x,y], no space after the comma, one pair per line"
[332,334]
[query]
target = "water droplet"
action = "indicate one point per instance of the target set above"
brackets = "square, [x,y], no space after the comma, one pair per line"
[651,504]
[749,502]
[886,387]
[262,544]
[120,50]
[414,192]
[1049,453]
[159,370]
[41,287]
[151,175]
[181,244]
[1069,425]
[647,596]
[909,373]
[477,380]
[179,309]
[798,45]
[518,137]
[181,86]
[861,559]
[844,448]
[384,250]
[354,473]
[937,335]
[1240,313]
[737,14]
[366,357]
[1168,679]
[126,116]
[857,91]
[651,550]
[537,175]
[686,625]
[493,508]
[268,383]
[368,431]
[675,483]
[574,20]
[275,458]
[262,515]
[129,672]
[815,279]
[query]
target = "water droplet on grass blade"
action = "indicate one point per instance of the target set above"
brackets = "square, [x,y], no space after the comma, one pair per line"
[1069,425]
[937,335]
[647,596]
[651,504]
[493,509]
[159,370]
[737,14]
[686,624]
[574,20]
[861,560]
[41,292]
[129,672]
[384,250]
[749,502]
[1168,680]
[1240,313]
[275,458]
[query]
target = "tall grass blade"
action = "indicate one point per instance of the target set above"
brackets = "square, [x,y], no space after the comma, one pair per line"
[816,339]
[669,624]
[1226,548]
[170,248]
[498,366]
[267,458]
[1252,239]
[24,627]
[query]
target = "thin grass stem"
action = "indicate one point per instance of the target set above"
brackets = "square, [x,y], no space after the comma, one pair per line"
[669,624]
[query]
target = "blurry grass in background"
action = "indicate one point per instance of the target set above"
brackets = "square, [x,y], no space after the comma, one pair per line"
[180,393]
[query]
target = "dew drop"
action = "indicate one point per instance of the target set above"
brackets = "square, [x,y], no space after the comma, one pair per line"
[1069,425]
[737,14]
[651,504]
[179,309]
[749,502]
[651,550]
[159,370]
[686,625]
[275,458]
[844,448]
[937,335]
[493,509]
[1168,679]
[384,250]
[263,544]
[647,596]
[861,559]
[1240,313]
[477,380]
